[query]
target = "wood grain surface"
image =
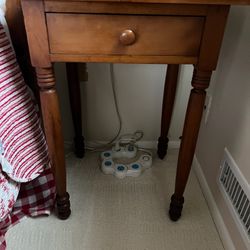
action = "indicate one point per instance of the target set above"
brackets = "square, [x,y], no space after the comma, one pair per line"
[223,2]
[100,34]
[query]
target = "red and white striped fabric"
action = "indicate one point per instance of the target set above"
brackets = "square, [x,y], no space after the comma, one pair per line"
[27,185]
[24,151]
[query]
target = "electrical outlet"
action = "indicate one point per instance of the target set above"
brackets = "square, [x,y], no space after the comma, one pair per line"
[207,107]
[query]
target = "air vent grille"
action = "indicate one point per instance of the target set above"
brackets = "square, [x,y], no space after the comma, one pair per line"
[236,190]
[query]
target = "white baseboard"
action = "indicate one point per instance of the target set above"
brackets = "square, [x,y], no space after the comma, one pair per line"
[221,227]
[153,144]
[144,144]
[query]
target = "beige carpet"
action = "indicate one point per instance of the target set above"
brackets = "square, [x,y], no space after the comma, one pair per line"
[128,214]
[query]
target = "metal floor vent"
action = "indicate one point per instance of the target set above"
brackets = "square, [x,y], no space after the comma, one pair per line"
[236,191]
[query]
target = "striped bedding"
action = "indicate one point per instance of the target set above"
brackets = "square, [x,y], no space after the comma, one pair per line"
[24,161]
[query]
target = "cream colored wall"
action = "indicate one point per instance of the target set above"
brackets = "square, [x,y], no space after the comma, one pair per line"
[139,92]
[229,120]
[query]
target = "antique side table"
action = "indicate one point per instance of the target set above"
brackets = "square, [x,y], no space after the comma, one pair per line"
[126,31]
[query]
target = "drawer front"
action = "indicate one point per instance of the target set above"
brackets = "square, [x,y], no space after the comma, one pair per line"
[87,34]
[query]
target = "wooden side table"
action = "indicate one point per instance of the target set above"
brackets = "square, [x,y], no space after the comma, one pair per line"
[126,31]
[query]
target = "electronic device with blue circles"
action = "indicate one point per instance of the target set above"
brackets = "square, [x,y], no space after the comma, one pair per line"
[111,165]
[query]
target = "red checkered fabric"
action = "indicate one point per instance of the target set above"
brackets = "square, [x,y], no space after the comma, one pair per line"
[35,198]
[27,185]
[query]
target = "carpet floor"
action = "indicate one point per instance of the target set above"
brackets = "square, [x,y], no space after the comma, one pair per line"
[128,214]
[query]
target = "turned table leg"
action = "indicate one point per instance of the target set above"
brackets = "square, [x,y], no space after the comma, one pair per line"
[75,104]
[53,132]
[167,108]
[200,82]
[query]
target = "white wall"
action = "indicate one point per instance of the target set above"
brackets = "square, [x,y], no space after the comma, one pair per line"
[139,91]
[229,120]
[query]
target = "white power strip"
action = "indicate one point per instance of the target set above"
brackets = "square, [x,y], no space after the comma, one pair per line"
[134,169]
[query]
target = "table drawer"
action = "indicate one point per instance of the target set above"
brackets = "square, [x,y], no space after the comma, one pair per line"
[89,34]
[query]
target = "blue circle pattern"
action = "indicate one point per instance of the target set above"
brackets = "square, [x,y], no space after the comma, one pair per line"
[106,154]
[108,163]
[135,166]
[120,168]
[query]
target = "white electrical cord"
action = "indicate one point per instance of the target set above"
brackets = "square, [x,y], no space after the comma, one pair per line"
[100,146]
[128,139]
[131,139]
[125,138]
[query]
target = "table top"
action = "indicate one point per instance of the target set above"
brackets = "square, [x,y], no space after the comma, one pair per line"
[220,2]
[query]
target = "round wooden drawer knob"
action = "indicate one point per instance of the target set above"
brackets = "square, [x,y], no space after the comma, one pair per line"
[127,37]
